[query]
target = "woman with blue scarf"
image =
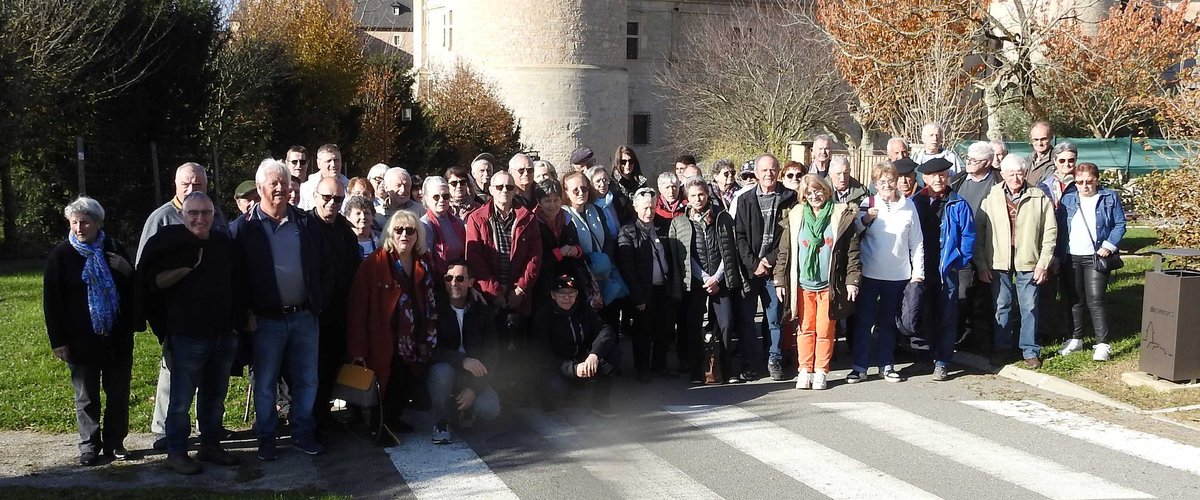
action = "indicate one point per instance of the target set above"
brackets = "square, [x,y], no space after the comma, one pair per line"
[86,296]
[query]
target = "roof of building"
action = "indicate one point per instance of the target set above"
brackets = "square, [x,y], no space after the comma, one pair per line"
[381,15]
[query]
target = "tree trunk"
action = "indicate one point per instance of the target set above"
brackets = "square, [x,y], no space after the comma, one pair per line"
[991,103]
[8,200]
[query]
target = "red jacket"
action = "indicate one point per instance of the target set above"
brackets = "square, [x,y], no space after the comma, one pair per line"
[525,256]
[372,302]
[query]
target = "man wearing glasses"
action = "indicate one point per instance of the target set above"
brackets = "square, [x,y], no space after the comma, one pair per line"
[459,379]
[297,162]
[521,168]
[1042,161]
[973,186]
[343,255]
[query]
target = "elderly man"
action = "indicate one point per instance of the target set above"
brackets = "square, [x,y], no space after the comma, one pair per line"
[1014,250]
[189,178]
[822,154]
[846,189]
[642,257]
[375,177]
[906,180]
[897,148]
[973,185]
[521,168]
[757,228]
[343,255]
[191,269]
[582,159]
[481,170]
[462,203]
[1041,164]
[297,162]
[543,170]
[285,265]
[459,372]
[931,138]
[397,194]
[246,196]
[999,151]
[329,164]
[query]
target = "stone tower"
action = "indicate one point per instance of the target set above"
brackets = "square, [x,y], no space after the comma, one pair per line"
[559,64]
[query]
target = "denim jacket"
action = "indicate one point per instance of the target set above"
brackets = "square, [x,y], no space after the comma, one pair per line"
[1110,218]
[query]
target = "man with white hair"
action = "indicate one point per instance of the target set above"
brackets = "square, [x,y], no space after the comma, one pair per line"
[973,185]
[375,177]
[189,178]
[329,164]
[1014,248]
[397,195]
[521,168]
[282,253]
[821,155]
[897,148]
[846,189]
[931,138]
[482,168]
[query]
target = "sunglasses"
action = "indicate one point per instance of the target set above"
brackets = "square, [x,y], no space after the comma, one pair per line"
[298,162]
[437,197]
[457,183]
[523,170]
[197,213]
[405,230]
[377,179]
[504,187]
[794,175]
[626,161]
[727,173]
[334,197]
[1066,160]
[450,278]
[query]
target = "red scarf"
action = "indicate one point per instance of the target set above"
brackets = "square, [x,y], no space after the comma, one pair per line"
[932,195]
[668,210]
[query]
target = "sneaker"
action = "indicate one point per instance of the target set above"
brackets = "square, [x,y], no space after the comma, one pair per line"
[1072,346]
[940,373]
[441,433]
[118,453]
[736,379]
[266,450]
[803,380]
[1102,352]
[775,369]
[818,381]
[183,464]
[750,376]
[214,454]
[854,377]
[88,458]
[892,376]
[308,445]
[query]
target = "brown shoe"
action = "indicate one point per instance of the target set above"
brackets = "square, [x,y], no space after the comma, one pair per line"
[1033,363]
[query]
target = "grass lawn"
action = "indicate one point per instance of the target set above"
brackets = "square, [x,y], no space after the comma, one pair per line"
[37,391]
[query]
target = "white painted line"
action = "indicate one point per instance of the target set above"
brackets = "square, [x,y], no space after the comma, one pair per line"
[444,471]
[817,466]
[1143,445]
[631,470]
[1032,472]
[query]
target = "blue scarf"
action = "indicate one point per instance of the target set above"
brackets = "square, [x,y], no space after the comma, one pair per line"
[103,301]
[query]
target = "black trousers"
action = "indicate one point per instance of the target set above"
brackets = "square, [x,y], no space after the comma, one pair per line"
[1090,288]
[652,330]
[721,306]
[331,355]
[113,375]
[560,378]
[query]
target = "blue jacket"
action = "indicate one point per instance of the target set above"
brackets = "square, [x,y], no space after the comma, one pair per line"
[1110,218]
[260,282]
[1060,214]
[956,234]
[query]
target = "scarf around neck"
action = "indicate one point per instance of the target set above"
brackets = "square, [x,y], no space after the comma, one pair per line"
[103,301]
[812,239]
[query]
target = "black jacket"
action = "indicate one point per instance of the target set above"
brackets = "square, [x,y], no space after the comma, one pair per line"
[255,251]
[552,265]
[749,229]
[477,338]
[570,336]
[208,301]
[679,247]
[65,306]
[343,257]
[635,258]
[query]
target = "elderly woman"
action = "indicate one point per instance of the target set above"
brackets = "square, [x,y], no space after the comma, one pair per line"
[361,214]
[893,254]
[447,234]
[561,251]
[791,173]
[617,207]
[627,172]
[1095,226]
[392,314]
[543,170]
[817,273]
[724,182]
[360,186]
[86,300]
[592,224]
[671,201]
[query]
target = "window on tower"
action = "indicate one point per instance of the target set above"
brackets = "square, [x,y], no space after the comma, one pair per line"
[639,128]
[631,40]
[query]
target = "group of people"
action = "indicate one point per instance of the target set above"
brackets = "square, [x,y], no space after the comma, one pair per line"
[486,284]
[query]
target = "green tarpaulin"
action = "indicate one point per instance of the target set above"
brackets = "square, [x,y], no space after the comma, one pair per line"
[1136,157]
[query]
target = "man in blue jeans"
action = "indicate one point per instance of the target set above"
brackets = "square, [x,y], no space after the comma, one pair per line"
[282,255]
[1015,245]
[191,268]
[757,229]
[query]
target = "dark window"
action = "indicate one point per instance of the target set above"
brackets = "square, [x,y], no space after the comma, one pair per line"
[631,40]
[639,129]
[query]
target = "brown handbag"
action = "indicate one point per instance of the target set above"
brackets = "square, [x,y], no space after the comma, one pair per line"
[357,385]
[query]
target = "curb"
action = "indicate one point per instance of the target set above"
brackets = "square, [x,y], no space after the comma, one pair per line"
[1043,381]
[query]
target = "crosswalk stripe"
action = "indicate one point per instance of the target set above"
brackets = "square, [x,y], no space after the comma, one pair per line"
[445,471]
[817,466]
[630,469]
[1153,448]
[1037,474]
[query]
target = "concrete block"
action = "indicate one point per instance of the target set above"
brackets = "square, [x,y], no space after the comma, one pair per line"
[1143,379]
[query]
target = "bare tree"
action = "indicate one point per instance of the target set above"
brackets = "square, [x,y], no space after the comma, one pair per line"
[751,83]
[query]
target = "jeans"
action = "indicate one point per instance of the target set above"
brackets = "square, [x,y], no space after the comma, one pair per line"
[87,379]
[762,289]
[1025,292]
[878,305]
[442,380]
[941,318]
[199,366]
[1090,288]
[699,301]
[291,342]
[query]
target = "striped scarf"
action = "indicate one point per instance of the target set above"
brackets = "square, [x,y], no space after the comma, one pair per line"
[103,301]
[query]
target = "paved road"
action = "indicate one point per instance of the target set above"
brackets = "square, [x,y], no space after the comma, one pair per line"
[975,436]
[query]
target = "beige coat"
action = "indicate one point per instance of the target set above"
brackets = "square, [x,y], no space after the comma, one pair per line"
[1035,235]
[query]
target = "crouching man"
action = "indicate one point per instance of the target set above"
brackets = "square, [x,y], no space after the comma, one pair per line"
[458,373]
[579,348]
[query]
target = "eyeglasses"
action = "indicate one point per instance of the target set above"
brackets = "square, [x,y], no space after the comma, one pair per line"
[451,278]
[437,197]
[504,187]
[793,175]
[457,182]
[1066,160]
[405,230]
[523,170]
[626,161]
[298,162]
[976,160]
[334,197]
[377,179]
[727,173]
[198,213]
[599,180]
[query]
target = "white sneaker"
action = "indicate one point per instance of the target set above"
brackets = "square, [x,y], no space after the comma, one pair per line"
[804,380]
[1072,346]
[1101,353]
[818,381]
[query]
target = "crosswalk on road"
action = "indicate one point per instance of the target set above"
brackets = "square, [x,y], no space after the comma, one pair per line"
[973,453]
